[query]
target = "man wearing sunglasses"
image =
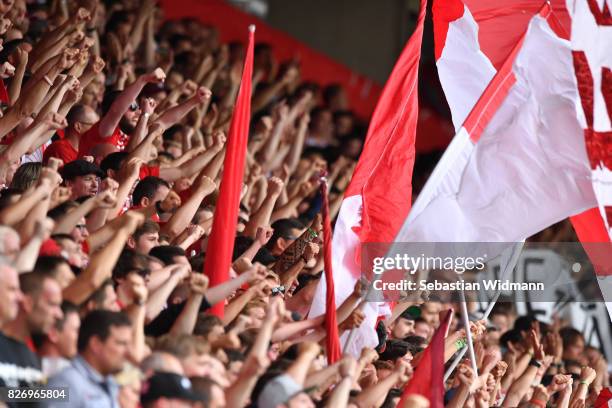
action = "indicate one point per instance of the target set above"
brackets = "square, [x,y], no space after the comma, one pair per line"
[119,109]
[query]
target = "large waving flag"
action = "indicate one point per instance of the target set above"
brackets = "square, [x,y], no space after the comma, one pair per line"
[470,49]
[518,164]
[592,56]
[378,198]
[221,242]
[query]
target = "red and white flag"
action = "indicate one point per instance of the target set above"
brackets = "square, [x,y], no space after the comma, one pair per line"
[591,39]
[378,198]
[470,50]
[518,163]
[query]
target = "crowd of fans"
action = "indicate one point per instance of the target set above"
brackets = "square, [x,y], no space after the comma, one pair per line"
[113,137]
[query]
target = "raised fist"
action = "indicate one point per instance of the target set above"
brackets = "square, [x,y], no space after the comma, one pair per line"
[7,70]
[189,87]
[203,94]
[157,76]
[82,15]
[55,121]
[275,186]
[97,64]
[198,283]
[69,58]
[149,105]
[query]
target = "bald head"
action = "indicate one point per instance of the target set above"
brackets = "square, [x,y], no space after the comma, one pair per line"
[81,118]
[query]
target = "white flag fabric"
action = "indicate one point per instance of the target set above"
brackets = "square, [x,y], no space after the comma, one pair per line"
[505,179]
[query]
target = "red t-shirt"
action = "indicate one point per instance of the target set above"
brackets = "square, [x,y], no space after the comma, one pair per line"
[92,137]
[62,149]
[148,171]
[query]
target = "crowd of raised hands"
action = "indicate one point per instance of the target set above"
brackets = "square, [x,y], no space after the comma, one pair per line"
[112,140]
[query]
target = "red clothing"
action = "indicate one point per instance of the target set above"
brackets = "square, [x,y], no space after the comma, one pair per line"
[154,216]
[148,171]
[92,137]
[4,96]
[62,149]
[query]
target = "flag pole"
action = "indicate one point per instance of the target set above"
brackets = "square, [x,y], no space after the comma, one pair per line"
[468,333]
[508,267]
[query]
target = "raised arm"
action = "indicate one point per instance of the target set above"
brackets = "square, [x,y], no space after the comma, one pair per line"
[178,112]
[110,121]
[186,321]
[14,89]
[204,186]
[198,163]
[261,217]
[101,264]
[257,361]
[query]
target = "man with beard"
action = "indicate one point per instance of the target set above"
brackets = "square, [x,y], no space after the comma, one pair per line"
[39,309]
[104,342]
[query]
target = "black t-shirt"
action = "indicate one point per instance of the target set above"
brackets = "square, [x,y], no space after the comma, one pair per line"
[19,366]
[163,322]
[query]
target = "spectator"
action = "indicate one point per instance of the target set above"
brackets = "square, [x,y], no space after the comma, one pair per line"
[82,178]
[38,311]
[113,123]
[59,345]
[104,340]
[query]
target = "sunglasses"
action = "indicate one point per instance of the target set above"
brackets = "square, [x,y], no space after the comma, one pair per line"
[278,291]
[134,107]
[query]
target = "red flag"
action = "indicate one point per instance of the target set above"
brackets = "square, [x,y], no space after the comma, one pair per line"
[604,399]
[428,377]
[378,198]
[331,326]
[221,242]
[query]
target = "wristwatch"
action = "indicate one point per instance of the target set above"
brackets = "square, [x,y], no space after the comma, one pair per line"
[535,363]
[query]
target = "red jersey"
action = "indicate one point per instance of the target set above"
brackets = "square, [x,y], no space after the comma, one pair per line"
[148,171]
[92,137]
[62,149]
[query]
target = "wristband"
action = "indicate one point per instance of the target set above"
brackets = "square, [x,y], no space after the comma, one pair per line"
[461,343]
[537,402]
[312,233]
[584,382]
[535,363]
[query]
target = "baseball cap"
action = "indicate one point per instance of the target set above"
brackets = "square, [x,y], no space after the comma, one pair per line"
[78,168]
[278,391]
[168,385]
